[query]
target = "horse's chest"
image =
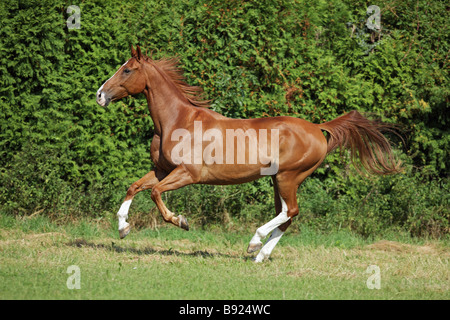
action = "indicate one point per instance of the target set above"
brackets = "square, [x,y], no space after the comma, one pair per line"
[158,156]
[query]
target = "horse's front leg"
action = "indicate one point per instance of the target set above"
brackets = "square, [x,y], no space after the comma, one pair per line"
[178,178]
[146,182]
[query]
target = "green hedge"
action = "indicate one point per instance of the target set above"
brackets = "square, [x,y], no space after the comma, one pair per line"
[63,154]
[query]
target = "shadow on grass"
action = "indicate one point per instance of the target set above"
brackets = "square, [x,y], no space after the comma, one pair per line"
[80,243]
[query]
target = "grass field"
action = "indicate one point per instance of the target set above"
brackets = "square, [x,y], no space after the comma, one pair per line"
[169,263]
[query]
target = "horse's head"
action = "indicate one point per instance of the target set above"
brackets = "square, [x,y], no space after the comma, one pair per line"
[130,79]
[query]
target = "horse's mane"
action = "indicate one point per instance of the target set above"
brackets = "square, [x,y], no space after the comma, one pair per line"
[170,67]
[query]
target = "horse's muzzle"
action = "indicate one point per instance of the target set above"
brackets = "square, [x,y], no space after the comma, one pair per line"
[103,99]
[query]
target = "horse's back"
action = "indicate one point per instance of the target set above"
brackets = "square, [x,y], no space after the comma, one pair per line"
[301,144]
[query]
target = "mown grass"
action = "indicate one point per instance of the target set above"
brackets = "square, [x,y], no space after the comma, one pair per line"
[169,263]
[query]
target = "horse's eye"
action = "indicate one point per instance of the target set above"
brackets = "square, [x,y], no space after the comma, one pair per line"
[126,70]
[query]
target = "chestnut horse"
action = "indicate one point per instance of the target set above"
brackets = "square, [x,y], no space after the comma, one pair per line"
[287,148]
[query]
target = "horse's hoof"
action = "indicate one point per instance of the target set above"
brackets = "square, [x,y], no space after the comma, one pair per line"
[252,247]
[125,231]
[257,260]
[183,223]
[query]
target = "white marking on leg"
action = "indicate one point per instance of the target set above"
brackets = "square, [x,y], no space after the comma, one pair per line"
[263,231]
[123,214]
[270,244]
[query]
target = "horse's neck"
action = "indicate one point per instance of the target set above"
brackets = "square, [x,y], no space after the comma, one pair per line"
[167,107]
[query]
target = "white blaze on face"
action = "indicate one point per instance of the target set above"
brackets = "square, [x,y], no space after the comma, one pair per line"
[102,99]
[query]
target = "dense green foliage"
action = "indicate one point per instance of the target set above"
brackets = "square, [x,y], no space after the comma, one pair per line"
[61,153]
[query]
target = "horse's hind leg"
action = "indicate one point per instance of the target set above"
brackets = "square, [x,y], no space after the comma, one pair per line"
[287,208]
[146,182]
[278,232]
[286,184]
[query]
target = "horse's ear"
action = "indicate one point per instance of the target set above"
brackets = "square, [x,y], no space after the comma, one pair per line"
[133,52]
[139,53]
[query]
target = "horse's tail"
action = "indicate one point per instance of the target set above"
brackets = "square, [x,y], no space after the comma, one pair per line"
[365,140]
